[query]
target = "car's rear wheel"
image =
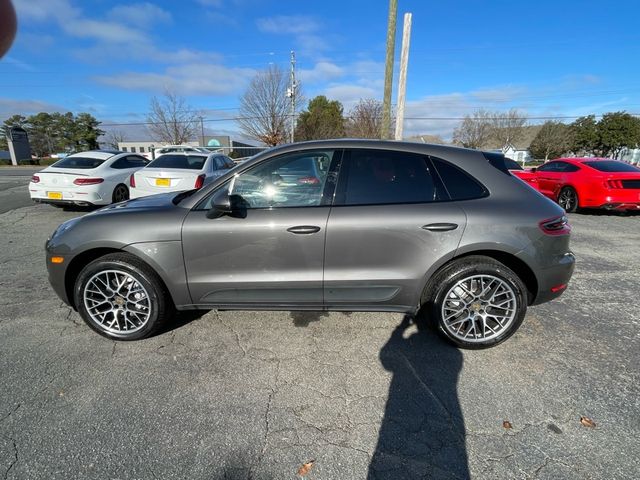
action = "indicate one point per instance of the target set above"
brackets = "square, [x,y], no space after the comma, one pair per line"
[120,193]
[476,302]
[122,298]
[568,199]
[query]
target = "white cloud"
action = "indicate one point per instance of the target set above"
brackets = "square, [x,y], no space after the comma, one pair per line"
[349,94]
[143,15]
[288,24]
[321,72]
[10,106]
[190,79]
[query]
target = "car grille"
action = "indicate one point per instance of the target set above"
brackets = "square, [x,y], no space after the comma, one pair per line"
[630,183]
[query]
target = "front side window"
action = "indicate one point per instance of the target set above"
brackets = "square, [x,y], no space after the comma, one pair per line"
[382,177]
[290,180]
[549,167]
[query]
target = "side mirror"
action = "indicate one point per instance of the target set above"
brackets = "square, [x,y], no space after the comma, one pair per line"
[232,205]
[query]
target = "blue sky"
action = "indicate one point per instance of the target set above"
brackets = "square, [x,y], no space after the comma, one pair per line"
[546,58]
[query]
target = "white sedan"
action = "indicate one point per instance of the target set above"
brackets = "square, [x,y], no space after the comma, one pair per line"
[98,177]
[174,172]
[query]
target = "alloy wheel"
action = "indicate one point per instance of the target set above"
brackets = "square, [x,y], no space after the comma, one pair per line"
[479,308]
[567,199]
[120,194]
[117,302]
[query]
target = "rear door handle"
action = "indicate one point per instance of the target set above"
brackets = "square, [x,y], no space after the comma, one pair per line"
[440,227]
[304,229]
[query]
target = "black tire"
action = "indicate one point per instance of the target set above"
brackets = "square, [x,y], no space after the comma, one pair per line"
[120,193]
[468,269]
[568,199]
[157,309]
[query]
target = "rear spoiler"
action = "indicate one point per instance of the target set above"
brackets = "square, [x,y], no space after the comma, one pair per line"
[497,161]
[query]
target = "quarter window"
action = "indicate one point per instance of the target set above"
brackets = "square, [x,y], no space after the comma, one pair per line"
[460,185]
[379,177]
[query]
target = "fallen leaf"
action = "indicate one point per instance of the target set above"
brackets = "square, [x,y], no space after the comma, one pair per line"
[587,422]
[507,424]
[305,468]
[61,393]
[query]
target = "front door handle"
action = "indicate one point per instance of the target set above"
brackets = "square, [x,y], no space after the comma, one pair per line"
[440,227]
[304,229]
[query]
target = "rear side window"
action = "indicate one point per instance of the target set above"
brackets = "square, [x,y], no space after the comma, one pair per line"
[187,162]
[612,166]
[382,177]
[460,185]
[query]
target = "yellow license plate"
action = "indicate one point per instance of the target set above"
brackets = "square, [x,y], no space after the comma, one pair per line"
[54,195]
[163,182]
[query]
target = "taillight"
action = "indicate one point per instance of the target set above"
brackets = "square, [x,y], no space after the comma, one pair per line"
[613,184]
[132,181]
[556,226]
[308,181]
[35,179]
[88,181]
[200,181]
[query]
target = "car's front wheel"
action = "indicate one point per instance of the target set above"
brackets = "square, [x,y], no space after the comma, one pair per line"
[477,302]
[121,298]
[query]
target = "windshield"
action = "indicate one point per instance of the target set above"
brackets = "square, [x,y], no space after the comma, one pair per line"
[186,162]
[612,166]
[86,163]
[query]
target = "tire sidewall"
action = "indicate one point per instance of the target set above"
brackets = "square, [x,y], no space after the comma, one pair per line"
[155,300]
[113,195]
[575,196]
[457,272]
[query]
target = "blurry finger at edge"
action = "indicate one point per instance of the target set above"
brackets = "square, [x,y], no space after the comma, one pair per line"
[7,25]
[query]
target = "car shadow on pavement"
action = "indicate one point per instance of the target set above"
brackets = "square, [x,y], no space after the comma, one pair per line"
[180,319]
[422,434]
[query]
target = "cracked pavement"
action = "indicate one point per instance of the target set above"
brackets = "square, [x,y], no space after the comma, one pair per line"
[254,395]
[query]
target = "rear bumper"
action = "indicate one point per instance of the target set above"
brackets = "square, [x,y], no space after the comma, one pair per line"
[624,206]
[69,197]
[553,280]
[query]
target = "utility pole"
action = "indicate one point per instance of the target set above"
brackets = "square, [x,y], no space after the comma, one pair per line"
[388,70]
[202,130]
[402,83]
[291,93]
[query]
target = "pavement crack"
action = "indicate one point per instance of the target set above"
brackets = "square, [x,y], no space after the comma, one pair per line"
[453,421]
[236,334]
[14,461]
[266,436]
[10,413]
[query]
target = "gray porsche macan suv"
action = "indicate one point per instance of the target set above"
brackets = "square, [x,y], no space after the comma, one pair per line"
[346,225]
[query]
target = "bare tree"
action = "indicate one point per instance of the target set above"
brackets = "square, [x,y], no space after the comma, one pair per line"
[507,127]
[171,119]
[264,107]
[475,130]
[365,119]
[114,137]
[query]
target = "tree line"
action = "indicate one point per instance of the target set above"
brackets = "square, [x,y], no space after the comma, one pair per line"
[55,132]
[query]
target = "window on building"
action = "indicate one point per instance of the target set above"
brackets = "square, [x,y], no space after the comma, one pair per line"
[124,149]
[141,149]
[133,149]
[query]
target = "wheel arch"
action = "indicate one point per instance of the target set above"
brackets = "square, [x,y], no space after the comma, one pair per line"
[514,263]
[84,258]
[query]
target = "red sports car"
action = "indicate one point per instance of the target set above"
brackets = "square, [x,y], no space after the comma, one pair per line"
[590,183]
[525,174]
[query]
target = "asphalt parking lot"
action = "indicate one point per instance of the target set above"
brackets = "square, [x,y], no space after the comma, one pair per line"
[255,395]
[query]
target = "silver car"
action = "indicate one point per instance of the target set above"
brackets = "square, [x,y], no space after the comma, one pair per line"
[341,225]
